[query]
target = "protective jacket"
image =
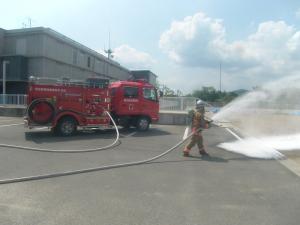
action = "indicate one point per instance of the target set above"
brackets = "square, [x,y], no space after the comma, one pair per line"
[198,121]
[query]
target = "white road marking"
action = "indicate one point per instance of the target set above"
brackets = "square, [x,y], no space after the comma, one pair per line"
[4,120]
[9,125]
[128,135]
[291,165]
[234,134]
[40,128]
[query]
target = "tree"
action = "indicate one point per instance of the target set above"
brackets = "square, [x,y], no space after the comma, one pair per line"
[166,91]
[210,94]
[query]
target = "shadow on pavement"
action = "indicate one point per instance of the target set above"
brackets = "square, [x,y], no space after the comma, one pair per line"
[152,132]
[49,137]
[210,159]
[192,159]
[213,159]
[46,136]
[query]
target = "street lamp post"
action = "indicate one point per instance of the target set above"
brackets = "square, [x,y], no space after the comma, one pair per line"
[4,80]
[220,76]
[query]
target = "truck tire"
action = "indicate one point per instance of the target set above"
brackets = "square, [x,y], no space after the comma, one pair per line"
[67,126]
[143,123]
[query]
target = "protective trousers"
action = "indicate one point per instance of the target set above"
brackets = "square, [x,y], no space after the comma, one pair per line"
[196,139]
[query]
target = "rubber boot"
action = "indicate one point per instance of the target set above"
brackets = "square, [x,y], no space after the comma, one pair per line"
[202,152]
[186,152]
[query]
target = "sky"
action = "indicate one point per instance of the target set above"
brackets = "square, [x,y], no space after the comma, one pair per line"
[183,42]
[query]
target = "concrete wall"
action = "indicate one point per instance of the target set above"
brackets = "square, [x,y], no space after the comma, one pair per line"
[27,45]
[45,67]
[55,69]
[173,118]
[76,63]
[122,75]
[51,54]
[58,50]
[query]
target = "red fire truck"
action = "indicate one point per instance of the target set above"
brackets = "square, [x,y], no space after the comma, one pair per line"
[65,105]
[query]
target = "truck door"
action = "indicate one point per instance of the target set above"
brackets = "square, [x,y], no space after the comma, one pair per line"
[130,104]
[150,104]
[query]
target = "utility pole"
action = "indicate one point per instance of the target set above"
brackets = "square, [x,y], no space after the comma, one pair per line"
[220,76]
[4,80]
[109,51]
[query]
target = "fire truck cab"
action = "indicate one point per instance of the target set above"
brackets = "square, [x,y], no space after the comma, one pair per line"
[134,103]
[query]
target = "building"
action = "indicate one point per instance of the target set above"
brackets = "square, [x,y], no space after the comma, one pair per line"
[43,52]
[146,75]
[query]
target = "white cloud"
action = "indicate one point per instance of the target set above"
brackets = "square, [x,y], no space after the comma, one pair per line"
[132,58]
[192,41]
[200,41]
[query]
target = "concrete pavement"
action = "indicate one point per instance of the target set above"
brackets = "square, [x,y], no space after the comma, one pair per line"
[224,189]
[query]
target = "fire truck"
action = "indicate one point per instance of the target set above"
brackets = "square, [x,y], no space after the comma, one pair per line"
[65,105]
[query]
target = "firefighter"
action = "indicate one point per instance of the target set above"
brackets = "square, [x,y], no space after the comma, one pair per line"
[198,122]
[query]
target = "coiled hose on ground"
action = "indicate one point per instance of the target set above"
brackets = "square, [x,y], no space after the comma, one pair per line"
[69,151]
[72,172]
[29,112]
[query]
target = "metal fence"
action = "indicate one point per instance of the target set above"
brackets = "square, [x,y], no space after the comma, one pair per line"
[165,103]
[177,103]
[13,99]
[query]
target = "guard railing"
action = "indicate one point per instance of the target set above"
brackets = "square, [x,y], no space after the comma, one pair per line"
[15,99]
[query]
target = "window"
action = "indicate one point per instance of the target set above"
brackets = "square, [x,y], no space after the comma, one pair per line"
[75,55]
[113,92]
[150,94]
[131,92]
[88,61]
[21,47]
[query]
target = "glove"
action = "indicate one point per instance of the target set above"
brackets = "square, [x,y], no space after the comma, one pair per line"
[195,131]
[206,125]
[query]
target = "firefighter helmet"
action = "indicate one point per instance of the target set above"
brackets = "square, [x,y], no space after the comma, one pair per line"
[200,104]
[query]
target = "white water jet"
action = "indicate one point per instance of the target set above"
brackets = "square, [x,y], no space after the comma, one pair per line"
[270,116]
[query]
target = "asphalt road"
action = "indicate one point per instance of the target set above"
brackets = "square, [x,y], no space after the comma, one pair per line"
[224,189]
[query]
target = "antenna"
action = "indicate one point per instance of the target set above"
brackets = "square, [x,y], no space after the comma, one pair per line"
[109,50]
[109,39]
[29,21]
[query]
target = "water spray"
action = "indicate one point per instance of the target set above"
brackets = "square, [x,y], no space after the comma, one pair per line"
[269,116]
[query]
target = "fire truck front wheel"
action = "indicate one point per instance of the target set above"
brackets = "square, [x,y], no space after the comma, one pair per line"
[66,126]
[143,123]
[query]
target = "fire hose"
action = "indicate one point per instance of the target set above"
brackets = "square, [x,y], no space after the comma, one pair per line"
[93,169]
[29,111]
[73,172]
[70,151]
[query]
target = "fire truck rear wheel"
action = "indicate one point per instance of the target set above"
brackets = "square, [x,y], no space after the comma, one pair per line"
[124,122]
[143,124]
[66,126]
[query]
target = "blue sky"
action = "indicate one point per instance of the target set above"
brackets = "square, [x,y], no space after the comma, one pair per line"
[181,41]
